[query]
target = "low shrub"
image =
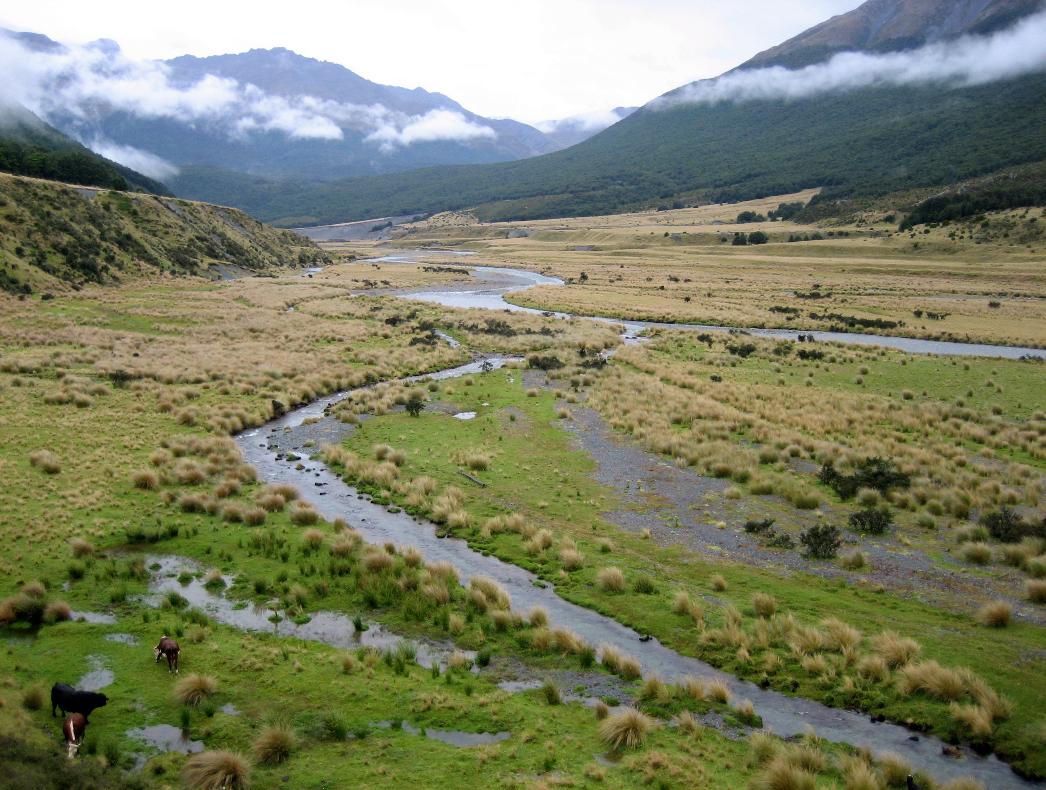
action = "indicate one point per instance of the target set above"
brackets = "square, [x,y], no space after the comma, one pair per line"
[821,541]
[873,521]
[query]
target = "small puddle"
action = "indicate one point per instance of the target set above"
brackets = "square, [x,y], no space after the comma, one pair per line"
[122,639]
[96,618]
[451,737]
[229,709]
[98,677]
[465,415]
[165,738]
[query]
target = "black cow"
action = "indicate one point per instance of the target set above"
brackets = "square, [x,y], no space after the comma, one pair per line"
[70,700]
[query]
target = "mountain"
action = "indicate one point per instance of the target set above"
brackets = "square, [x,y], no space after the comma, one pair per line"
[770,133]
[891,26]
[267,112]
[54,236]
[30,147]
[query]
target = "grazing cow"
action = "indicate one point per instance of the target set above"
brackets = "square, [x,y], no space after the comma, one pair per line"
[73,729]
[168,649]
[70,700]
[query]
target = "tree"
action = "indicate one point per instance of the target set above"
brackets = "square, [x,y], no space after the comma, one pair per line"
[758,237]
[415,403]
[740,239]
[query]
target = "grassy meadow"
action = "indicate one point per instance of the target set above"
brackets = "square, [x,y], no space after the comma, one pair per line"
[118,405]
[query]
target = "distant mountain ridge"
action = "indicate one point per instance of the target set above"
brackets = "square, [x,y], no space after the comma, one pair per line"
[268,113]
[864,139]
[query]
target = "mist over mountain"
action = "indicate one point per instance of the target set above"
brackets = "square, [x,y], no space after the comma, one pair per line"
[943,102]
[268,112]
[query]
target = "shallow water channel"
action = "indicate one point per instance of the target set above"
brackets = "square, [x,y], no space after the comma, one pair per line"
[490,284]
[783,714]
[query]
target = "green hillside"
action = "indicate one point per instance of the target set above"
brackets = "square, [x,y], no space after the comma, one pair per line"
[867,142]
[53,236]
[30,147]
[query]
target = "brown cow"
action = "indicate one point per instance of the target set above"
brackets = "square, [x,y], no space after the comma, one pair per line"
[73,729]
[169,649]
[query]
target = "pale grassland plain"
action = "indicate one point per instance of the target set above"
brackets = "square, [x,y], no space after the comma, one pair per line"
[978,280]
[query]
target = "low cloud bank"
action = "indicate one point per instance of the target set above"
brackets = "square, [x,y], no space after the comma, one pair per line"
[972,60]
[135,158]
[87,83]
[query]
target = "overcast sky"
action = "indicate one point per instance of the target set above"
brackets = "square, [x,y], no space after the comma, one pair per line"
[530,59]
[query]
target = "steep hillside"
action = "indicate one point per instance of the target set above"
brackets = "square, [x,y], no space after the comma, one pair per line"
[54,236]
[30,147]
[893,25]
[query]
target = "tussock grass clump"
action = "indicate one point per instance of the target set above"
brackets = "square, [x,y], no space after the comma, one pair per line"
[931,678]
[859,775]
[303,514]
[963,783]
[33,698]
[683,604]
[717,582]
[611,579]
[312,538]
[781,774]
[996,614]
[975,720]
[1035,589]
[764,605]
[492,593]
[895,649]
[894,769]
[977,553]
[717,691]
[570,558]
[377,560]
[839,636]
[218,770]
[625,730]
[57,611]
[81,548]
[853,560]
[194,689]
[146,479]
[45,461]
[274,745]
[629,668]
[762,748]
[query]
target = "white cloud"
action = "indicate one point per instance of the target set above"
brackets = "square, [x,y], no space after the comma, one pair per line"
[589,121]
[135,158]
[433,125]
[963,62]
[89,82]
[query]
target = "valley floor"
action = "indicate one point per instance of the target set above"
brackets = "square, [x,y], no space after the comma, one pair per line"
[672,486]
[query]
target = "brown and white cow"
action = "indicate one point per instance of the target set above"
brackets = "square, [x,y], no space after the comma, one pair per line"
[73,729]
[168,648]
